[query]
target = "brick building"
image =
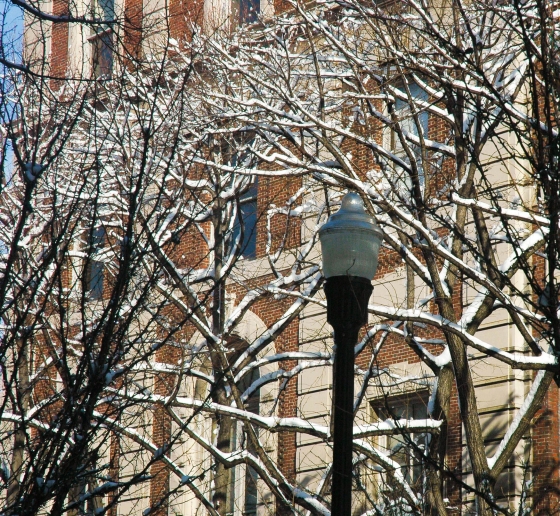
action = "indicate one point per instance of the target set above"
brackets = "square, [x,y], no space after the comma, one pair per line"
[189,425]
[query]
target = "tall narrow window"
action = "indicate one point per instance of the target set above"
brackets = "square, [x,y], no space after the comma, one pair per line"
[102,41]
[251,476]
[95,268]
[405,111]
[243,494]
[406,448]
[245,227]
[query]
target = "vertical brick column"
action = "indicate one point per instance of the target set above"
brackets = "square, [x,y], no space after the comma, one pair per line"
[281,7]
[546,450]
[287,407]
[181,14]
[454,454]
[59,42]
[545,438]
[286,233]
[132,37]
[159,487]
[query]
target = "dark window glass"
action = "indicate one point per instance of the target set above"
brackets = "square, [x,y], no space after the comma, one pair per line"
[107,9]
[408,123]
[103,54]
[102,40]
[249,11]
[247,221]
[94,272]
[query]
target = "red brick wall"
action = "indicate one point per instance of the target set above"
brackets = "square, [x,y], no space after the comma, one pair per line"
[285,231]
[181,14]
[132,30]
[546,449]
[59,41]
[545,438]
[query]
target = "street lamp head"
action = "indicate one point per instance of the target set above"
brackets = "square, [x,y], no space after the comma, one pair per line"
[350,241]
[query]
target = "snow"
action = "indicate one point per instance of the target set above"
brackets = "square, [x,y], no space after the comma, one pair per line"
[528,404]
[516,360]
[311,500]
[394,426]
[266,100]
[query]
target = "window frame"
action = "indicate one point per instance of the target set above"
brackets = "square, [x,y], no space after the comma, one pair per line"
[383,409]
[402,110]
[94,270]
[248,234]
[102,40]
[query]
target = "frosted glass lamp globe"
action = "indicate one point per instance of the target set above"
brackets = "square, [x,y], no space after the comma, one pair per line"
[350,241]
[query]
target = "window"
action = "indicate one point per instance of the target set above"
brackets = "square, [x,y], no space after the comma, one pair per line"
[249,11]
[102,44]
[245,226]
[94,267]
[93,505]
[405,448]
[242,498]
[405,115]
[102,51]
[245,501]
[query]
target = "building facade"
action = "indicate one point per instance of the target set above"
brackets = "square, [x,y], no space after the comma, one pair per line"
[212,140]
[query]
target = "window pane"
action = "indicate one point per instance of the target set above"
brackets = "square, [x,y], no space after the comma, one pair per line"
[103,54]
[247,218]
[251,478]
[408,123]
[249,11]
[94,276]
[406,448]
[95,280]
[107,8]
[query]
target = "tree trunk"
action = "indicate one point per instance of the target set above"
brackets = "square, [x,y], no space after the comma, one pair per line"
[438,445]
[222,475]
[20,435]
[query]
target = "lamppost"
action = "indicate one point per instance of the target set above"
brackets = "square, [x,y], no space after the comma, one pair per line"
[350,242]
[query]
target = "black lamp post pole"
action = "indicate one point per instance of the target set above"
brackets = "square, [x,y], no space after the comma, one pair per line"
[347,301]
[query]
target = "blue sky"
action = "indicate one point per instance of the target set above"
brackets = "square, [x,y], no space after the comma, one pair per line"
[11,27]
[11,19]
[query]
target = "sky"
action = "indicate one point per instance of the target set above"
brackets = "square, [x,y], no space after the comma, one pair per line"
[11,23]
[11,28]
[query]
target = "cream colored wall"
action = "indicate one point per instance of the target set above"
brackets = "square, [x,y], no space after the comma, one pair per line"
[134,458]
[37,39]
[79,52]
[155,27]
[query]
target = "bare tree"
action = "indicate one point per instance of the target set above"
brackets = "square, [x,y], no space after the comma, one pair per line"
[159,255]
[443,117]
[135,367]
